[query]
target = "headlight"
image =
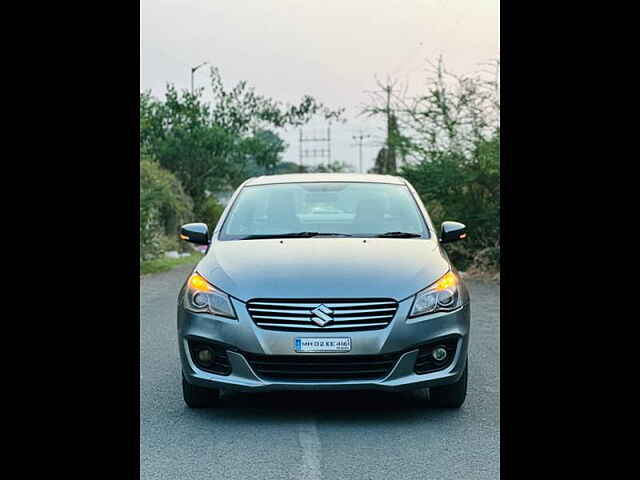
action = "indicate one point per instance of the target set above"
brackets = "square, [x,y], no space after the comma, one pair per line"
[202,297]
[442,296]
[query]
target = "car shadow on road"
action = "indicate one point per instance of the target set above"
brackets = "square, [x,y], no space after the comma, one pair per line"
[342,406]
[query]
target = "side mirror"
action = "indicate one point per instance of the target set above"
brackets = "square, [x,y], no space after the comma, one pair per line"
[197,233]
[452,232]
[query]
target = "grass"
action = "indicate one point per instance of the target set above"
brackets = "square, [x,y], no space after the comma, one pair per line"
[164,264]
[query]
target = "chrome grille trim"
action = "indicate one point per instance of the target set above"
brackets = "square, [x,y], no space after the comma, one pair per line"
[316,327]
[328,304]
[336,319]
[296,315]
[336,312]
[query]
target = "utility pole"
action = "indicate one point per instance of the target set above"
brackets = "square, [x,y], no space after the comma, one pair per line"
[386,159]
[193,70]
[388,111]
[324,152]
[329,142]
[301,153]
[360,139]
[390,160]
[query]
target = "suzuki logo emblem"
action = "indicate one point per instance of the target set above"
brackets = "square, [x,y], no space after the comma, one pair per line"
[321,315]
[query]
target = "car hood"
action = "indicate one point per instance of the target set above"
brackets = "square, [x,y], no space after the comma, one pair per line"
[323,267]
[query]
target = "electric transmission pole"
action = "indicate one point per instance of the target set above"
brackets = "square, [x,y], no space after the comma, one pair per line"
[324,152]
[360,139]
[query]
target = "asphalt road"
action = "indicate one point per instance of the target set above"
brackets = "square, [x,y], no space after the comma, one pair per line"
[304,435]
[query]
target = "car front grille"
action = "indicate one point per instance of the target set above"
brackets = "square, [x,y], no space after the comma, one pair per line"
[322,367]
[347,315]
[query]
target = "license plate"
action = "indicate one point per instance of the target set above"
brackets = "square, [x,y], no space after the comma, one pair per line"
[319,344]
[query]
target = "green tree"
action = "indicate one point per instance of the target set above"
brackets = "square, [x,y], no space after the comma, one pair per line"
[255,155]
[241,110]
[454,187]
[212,148]
[267,149]
[210,212]
[333,167]
[286,167]
[451,138]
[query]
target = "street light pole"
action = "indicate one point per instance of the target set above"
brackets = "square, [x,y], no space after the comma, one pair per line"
[193,70]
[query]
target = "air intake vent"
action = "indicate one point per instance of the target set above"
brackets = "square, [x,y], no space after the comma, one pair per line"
[330,315]
[322,367]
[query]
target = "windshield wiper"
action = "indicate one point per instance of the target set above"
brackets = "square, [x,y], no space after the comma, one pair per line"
[331,234]
[279,235]
[399,235]
[292,235]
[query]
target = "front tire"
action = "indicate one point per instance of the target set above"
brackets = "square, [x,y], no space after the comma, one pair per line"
[450,396]
[199,397]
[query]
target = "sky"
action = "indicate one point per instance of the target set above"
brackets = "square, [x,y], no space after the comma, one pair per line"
[332,50]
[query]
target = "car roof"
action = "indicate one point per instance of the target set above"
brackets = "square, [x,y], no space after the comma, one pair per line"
[325,177]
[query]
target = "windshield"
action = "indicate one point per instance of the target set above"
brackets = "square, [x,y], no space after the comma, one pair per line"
[324,209]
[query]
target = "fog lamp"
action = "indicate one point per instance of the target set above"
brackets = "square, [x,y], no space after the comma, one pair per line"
[439,354]
[205,356]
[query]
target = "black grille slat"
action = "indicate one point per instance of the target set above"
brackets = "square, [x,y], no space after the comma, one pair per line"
[322,367]
[325,372]
[384,364]
[348,314]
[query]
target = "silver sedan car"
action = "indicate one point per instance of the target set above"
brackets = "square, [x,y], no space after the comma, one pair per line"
[324,282]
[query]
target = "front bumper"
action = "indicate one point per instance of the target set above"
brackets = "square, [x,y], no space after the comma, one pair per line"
[399,336]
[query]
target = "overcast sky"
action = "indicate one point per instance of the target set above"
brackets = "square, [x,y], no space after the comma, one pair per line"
[330,49]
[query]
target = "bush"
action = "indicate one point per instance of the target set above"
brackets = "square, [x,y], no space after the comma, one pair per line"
[466,190]
[163,206]
[171,242]
[450,150]
[209,212]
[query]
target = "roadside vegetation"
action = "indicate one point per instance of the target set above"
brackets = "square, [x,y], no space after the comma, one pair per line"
[445,141]
[192,153]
